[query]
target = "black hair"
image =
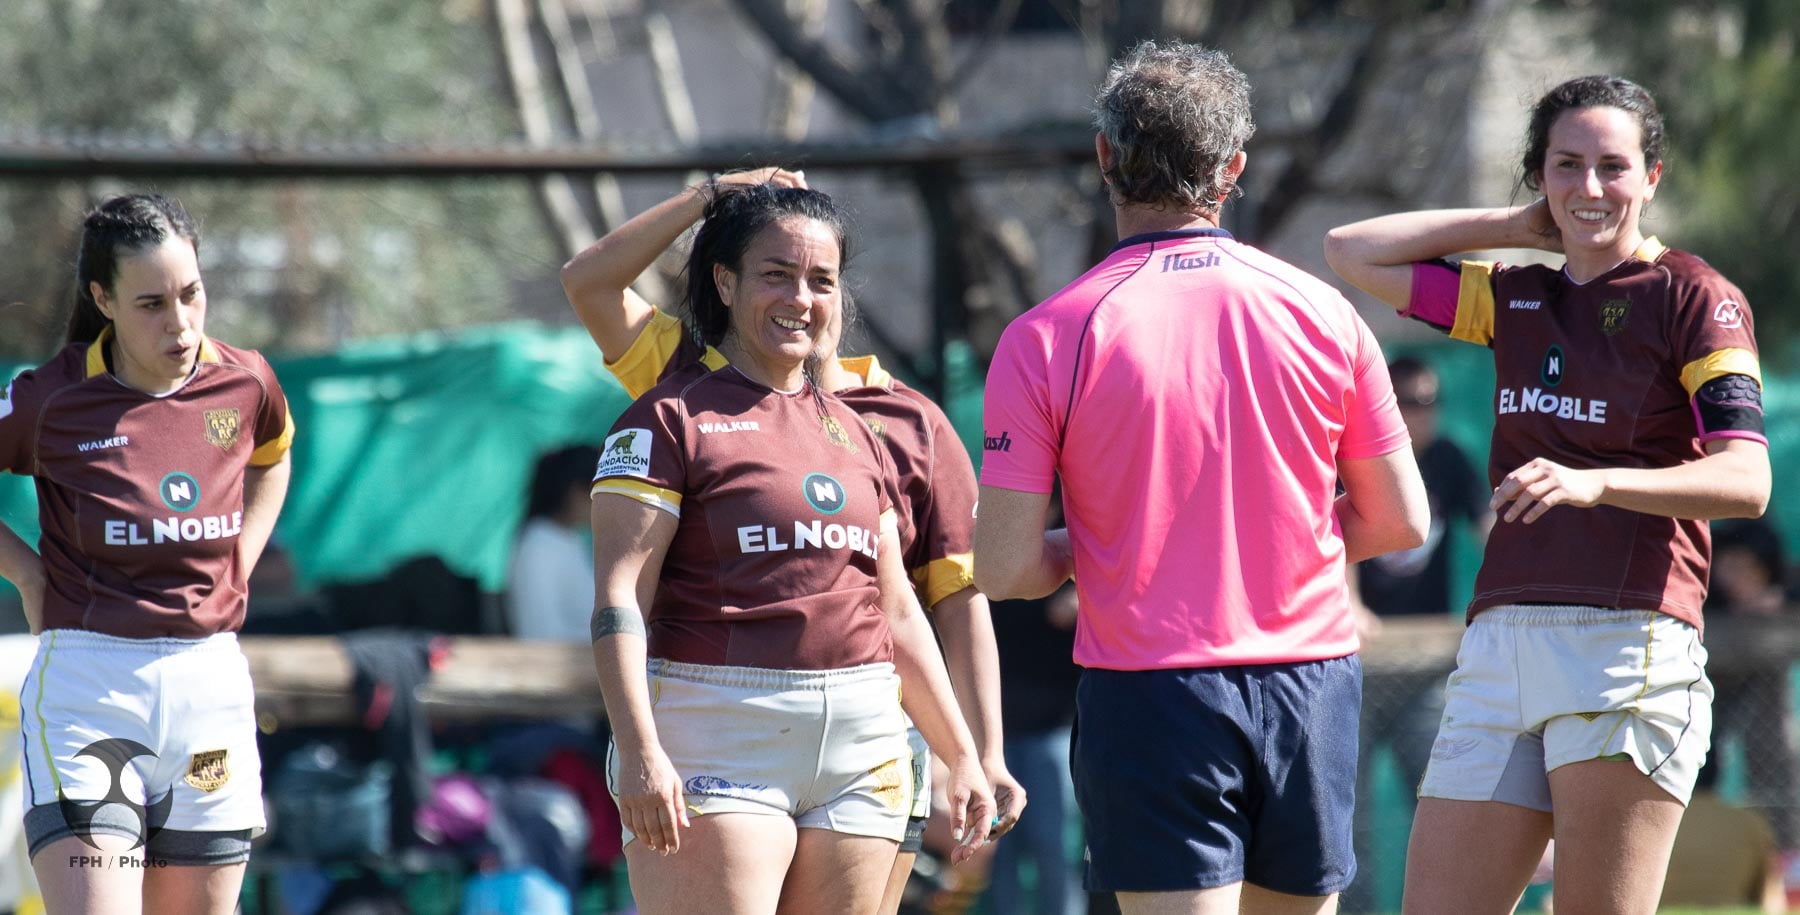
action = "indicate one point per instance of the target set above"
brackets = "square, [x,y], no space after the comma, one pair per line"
[556,472]
[735,214]
[1590,92]
[119,228]
[1408,374]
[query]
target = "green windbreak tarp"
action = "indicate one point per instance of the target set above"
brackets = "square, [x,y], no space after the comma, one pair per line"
[424,445]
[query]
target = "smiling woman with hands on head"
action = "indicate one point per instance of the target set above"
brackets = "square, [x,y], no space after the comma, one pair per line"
[747,551]
[1628,413]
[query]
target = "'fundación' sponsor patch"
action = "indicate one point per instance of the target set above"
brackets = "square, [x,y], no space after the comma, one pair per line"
[627,453]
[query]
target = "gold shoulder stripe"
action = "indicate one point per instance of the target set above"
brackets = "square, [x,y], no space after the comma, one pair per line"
[649,354]
[96,352]
[713,359]
[208,352]
[270,452]
[1649,250]
[945,576]
[1475,304]
[1728,361]
[654,496]
[867,368]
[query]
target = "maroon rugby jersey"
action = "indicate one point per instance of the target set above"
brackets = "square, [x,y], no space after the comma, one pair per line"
[1601,374]
[935,478]
[780,499]
[141,498]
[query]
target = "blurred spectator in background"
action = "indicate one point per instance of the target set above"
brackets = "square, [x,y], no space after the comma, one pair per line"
[1037,704]
[1724,856]
[1401,709]
[1750,703]
[550,584]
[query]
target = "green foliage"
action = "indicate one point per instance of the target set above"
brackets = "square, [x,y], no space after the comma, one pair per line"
[291,264]
[1723,72]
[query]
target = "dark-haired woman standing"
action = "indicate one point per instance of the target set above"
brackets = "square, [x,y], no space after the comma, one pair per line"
[160,458]
[1629,412]
[748,518]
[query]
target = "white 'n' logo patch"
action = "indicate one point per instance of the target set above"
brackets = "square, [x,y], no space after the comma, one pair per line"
[627,453]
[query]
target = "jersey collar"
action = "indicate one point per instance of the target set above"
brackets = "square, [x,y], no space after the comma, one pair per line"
[96,352]
[1170,235]
[868,369]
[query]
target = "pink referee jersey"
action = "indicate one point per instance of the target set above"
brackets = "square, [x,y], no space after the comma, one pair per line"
[1194,395]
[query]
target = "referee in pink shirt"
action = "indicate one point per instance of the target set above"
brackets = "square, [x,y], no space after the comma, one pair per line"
[1200,401]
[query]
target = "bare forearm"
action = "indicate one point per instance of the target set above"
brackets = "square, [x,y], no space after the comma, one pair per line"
[966,628]
[24,568]
[1366,539]
[265,489]
[617,259]
[1005,576]
[619,659]
[925,687]
[1729,484]
[1405,238]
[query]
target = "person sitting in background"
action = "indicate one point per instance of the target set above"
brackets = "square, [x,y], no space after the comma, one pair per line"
[550,583]
[1724,856]
[1750,700]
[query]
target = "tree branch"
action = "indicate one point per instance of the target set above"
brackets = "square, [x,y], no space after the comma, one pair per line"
[858,89]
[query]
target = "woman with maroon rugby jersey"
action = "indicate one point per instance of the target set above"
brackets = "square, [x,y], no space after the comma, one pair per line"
[160,459]
[1628,414]
[751,625]
[941,491]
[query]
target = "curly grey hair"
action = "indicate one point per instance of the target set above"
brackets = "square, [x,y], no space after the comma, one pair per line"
[1173,114]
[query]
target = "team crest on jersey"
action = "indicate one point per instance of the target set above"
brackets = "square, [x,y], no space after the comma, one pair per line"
[1613,315]
[877,426]
[626,453]
[207,771]
[222,427]
[835,434]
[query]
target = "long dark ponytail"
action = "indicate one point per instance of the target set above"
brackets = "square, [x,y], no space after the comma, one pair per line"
[120,227]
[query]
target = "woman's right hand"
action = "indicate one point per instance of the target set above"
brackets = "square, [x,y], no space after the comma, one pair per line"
[780,177]
[1542,226]
[651,804]
[972,807]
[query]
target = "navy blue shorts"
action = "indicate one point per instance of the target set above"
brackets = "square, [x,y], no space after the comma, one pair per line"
[1202,777]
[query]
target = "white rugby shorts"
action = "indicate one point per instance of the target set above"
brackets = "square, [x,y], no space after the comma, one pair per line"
[1539,687]
[827,747]
[142,737]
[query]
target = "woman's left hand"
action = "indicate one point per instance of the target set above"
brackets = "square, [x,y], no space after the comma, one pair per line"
[971,807]
[1542,484]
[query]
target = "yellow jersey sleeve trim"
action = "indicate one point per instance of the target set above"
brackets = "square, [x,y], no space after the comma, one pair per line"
[1649,250]
[1729,361]
[643,362]
[208,352]
[713,359]
[1475,304]
[650,494]
[270,452]
[945,576]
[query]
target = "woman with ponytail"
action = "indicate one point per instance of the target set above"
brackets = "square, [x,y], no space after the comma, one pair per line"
[160,458]
[748,554]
